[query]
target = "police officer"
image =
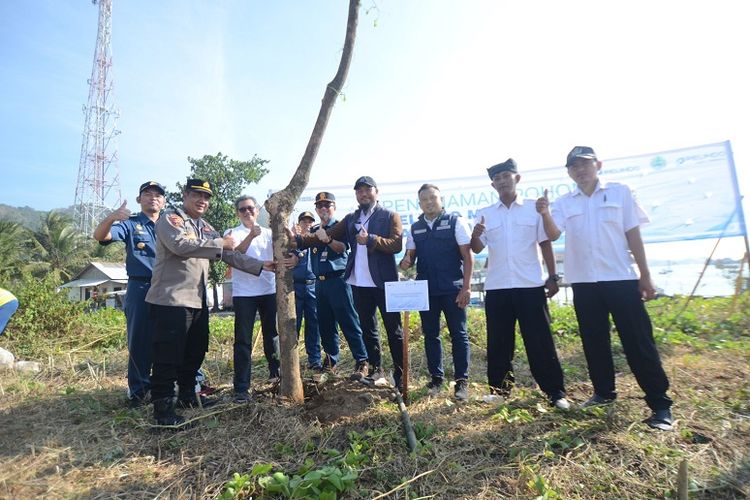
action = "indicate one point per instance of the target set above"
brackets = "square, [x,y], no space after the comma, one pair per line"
[334,294]
[185,244]
[439,243]
[514,233]
[304,294]
[138,234]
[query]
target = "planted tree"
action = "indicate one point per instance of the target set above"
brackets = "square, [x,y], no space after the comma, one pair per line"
[280,206]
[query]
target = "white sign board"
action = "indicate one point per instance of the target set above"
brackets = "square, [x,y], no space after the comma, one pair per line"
[406,296]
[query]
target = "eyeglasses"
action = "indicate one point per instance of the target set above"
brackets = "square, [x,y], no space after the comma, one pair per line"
[247,209]
[324,204]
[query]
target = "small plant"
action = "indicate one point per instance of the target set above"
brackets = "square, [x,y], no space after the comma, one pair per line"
[511,416]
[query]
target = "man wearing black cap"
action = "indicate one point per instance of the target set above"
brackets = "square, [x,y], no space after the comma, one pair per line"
[513,231]
[602,225]
[304,296]
[185,244]
[334,295]
[375,237]
[138,234]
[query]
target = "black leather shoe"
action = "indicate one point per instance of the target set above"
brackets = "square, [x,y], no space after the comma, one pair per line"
[197,401]
[164,412]
[661,419]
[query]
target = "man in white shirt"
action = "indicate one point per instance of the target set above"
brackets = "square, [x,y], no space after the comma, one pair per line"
[512,231]
[251,295]
[602,225]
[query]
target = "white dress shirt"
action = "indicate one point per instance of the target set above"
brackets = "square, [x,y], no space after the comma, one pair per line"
[360,275]
[596,248]
[261,248]
[512,236]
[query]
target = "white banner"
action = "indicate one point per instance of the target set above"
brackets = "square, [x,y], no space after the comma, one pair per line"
[689,193]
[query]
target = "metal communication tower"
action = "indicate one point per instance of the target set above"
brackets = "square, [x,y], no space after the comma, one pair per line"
[98,184]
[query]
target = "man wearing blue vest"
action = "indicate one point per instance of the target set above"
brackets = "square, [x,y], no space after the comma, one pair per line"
[374,235]
[138,233]
[513,233]
[334,295]
[304,296]
[439,243]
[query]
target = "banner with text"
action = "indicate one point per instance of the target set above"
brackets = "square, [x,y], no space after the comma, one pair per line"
[689,193]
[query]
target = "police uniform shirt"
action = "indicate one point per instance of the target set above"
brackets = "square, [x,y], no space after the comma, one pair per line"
[261,248]
[323,259]
[596,248]
[461,232]
[139,235]
[512,236]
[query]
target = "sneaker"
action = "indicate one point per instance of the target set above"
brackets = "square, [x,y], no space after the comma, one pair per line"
[206,390]
[360,371]
[377,376]
[561,404]
[661,419]
[597,400]
[434,387]
[461,390]
[242,397]
[493,398]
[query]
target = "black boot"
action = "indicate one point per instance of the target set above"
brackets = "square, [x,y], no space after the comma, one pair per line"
[164,412]
[194,400]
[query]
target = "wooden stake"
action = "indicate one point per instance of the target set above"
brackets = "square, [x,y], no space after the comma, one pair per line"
[682,480]
[405,368]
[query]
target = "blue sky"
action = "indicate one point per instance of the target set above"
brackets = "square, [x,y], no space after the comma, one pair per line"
[437,88]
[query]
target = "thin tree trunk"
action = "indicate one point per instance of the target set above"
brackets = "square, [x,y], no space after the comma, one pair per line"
[280,206]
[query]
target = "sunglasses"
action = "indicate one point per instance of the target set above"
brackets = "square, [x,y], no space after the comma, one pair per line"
[246,209]
[324,204]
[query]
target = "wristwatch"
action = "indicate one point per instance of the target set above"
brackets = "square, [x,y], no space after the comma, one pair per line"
[555,277]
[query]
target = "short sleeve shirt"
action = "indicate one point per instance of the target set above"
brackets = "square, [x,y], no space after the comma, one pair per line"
[596,248]
[461,232]
[261,248]
[139,235]
[512,236]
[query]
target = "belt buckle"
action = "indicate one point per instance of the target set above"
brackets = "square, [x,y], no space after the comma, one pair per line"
[322,278]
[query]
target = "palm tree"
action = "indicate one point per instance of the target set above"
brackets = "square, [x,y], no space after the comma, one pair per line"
[13,239]
[58,248]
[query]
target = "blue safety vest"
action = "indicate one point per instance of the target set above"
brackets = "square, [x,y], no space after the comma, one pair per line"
[438,256]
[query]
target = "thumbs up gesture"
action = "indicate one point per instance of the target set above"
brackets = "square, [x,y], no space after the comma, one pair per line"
[478,228]
[362,236]
[228,241]
[542,204]
[121,213]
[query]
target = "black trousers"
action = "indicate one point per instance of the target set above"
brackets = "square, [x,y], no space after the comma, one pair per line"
[367,300]
[528,306]
[180,345]
[593,303]
[245,309]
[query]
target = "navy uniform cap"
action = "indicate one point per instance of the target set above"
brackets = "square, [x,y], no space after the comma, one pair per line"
[152,184]
[508,165]
[324,196]
[365,180]
[580,152]
[306,215]
[199,185]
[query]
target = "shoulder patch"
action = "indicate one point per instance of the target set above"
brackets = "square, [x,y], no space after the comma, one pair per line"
[176,221]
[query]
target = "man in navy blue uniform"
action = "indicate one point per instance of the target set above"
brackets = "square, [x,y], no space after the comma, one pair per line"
[329,258]
[137,232]
[439,243]
[375,237]
[304,295]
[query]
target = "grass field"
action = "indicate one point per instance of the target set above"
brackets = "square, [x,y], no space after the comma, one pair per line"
[68,433]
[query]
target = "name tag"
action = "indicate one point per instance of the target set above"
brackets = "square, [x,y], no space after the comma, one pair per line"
[440,228]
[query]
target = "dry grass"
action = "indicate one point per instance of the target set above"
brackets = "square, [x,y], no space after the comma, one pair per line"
[68,434]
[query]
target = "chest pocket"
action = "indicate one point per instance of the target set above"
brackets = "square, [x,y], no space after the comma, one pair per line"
[527,227]
[420,234]
[143,243]
[611,213]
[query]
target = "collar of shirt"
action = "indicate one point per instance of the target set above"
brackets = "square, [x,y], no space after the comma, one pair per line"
[518,201]
[600,185]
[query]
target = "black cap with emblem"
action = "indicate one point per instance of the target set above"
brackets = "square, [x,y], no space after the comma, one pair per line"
[199,185]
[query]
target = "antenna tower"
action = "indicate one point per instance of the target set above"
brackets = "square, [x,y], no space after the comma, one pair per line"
[98,184]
